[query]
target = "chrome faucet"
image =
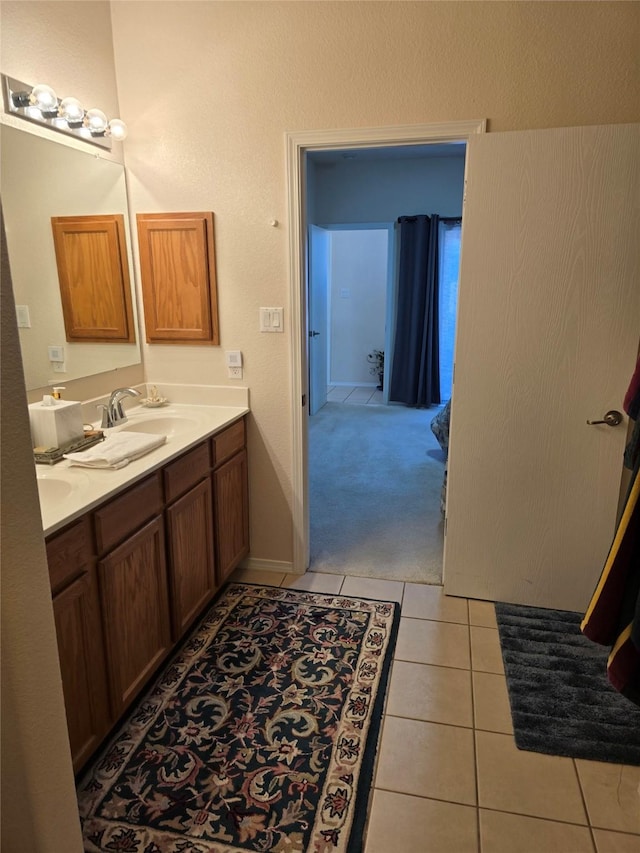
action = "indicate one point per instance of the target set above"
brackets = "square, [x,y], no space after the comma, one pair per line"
[112,413]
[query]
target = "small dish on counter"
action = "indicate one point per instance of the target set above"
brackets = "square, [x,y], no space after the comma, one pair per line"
[154,400]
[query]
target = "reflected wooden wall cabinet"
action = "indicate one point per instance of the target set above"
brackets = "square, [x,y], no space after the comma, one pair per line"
[93,272]
[178,276]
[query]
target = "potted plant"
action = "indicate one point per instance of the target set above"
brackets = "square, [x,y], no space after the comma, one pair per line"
[376,360]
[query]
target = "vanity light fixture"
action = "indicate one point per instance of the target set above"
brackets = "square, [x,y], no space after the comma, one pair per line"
[40,104]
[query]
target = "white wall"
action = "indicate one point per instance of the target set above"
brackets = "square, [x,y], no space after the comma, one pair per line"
[357,304]
[65,44]
[208,90]
[383,190]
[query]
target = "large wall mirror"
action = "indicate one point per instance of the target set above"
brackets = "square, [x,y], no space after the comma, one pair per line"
[41,179]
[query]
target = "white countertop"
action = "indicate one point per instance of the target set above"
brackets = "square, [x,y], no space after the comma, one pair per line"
[71,490]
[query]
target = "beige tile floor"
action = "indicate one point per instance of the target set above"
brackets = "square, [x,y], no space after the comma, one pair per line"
[449,778]
[360,395]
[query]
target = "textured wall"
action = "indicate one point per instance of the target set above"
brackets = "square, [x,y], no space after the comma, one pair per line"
[208,90]
[65,44]
[39,812]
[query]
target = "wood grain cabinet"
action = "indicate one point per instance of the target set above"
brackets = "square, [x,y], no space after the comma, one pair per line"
[190,536]
[133,587]
[93,271]
[135,611]
[231,498]
[76,610]
[178,276]
[132,576]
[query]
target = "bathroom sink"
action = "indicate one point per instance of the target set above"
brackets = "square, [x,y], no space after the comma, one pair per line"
[168,425]
[54,486]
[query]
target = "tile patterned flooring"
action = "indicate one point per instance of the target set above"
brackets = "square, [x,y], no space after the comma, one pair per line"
[449,778]
[360,395]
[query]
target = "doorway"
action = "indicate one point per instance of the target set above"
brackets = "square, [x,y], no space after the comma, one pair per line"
[376,472]
[298,146]
[562,296]
[375,475]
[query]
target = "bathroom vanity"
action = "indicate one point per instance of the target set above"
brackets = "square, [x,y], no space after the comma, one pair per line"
[140,553]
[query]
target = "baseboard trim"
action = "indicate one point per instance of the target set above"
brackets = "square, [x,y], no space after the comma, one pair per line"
[268,565]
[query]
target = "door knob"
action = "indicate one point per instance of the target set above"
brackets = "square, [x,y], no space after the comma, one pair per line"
[612,418]
[313,334]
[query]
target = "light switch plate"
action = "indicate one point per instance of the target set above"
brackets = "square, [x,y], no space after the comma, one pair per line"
[22,315]
[272,320]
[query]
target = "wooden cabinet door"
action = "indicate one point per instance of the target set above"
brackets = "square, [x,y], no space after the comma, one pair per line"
[178,275]
[135,607]
[191,557]
[93,271]
[82,664]
[231,507]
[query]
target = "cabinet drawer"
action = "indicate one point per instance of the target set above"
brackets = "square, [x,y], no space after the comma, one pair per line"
[69,554]
[115,521]
[228,442]
[186,471]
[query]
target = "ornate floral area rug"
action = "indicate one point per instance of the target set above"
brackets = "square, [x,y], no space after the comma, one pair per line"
[260,735]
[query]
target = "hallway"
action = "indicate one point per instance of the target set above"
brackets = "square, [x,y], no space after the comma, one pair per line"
[375,483]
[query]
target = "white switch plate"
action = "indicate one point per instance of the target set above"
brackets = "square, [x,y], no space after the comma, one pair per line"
[234,358]
[234,372]
[56,353]
[272,320]
[22,315]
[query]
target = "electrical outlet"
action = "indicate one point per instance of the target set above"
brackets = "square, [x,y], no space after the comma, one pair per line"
[58,367]
[234,372]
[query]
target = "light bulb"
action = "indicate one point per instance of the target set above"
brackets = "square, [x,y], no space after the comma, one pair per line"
[117,129]
[96,121]
[44,98]
[71,110]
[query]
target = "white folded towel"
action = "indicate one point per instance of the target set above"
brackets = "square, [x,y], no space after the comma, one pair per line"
[117,450]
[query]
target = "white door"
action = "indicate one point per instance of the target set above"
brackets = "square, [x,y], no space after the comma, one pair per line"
[318,288]
[548,327]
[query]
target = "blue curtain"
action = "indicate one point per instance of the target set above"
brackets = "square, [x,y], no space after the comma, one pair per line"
[415,373]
